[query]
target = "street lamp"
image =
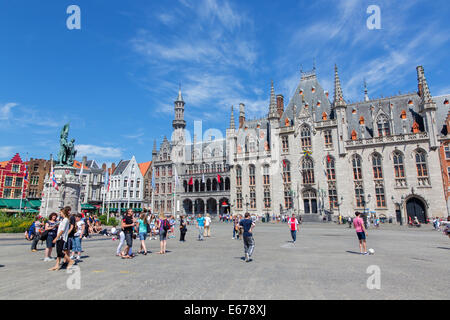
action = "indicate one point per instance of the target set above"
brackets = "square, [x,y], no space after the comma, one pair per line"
[246,203]
[339,205]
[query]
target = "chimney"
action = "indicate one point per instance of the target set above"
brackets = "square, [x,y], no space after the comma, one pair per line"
[280,105]
[113,167]
[84,160]
[104,167]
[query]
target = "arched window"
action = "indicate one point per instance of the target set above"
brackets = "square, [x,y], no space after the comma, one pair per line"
[383,126]
[331,170]
[356,164]
[266,175]
[286,171]
[399,169]
[422,168]
[238,176]
[308,170]
[376,166]
[251,174]
[306,137]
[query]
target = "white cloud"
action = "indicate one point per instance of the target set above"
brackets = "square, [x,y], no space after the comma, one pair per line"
[6,152]
[5,110]
[103,152]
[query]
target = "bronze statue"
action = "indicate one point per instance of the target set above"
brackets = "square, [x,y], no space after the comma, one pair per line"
[67,151]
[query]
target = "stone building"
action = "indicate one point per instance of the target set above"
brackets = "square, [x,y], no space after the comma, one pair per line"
[146,171]
[444,150]
[38,170]
[190,176]
[92,180]
[126,187]
[12,175]
[322,156]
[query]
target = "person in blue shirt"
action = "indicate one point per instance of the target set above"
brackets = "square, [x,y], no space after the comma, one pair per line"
[247,225]
[200,226]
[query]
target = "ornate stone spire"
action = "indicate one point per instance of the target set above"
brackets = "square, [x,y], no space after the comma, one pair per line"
[366,96]
[154,152]
[338,97]
[241,115]
[232,123]
[424,91]
[273,114]
[178,122]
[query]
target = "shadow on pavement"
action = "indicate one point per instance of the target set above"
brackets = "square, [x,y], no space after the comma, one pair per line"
[354,252]
[443,248]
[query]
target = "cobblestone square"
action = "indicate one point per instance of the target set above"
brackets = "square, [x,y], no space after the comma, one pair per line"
[323,264]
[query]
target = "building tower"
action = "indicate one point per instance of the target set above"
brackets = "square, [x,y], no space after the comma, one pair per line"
[273,112]
[428,107]
[340,106]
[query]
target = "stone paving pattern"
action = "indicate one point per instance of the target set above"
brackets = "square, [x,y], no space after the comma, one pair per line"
[323,264]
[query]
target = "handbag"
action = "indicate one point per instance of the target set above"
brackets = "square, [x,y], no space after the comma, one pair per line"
[44,235]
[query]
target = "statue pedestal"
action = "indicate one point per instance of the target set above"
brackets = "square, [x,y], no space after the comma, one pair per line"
[68,194]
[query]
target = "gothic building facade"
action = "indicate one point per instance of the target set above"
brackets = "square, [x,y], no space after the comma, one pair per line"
[324,156]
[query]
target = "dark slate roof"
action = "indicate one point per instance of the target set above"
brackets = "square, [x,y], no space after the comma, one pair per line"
[442,111]
[307,83]
[121,167]
[391,107]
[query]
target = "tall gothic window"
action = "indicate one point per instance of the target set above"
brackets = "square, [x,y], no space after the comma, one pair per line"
[379,182]
[331,170]
[422,168]
[331,179]
[251,174]
[328,139]
[308,170]
[287,197]
[267,200]
[358,183]
[286,171]
[252,198]
[383,126]
[306,137]
[399,169]
[285,143]
[239,198]
[238,176]
[266,175]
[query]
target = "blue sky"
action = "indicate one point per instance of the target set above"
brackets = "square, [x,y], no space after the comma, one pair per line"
[115,80]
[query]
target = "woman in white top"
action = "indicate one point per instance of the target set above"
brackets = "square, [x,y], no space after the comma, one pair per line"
[62,248]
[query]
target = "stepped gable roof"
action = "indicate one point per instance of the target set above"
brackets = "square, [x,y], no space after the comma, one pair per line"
[121,167]
[144,167]
[373,109]
[442,110]
[202,146]
[312,94]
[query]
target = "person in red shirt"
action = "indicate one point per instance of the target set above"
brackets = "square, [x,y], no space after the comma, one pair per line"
[293,226]
[361,232]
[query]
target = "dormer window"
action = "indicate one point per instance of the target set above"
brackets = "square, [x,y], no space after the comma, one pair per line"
[403,114]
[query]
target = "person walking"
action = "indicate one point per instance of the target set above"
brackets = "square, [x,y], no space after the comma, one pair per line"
[51,226]
[361,232]
[247,225]
[78,236]
[61,241]
[236,230]
[200,226]
[183,229]
[163,225]
[37,234]
[142,230]
[293,226]
[128,224]
[207,226]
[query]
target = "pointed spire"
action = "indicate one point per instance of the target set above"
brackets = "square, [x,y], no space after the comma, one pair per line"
[424,90]
[273,103]
[154,147]
[366,96]
[232,123]
[338,97]
[180,97]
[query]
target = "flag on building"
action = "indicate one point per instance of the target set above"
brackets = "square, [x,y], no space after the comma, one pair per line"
[218,178]
[328,158]
[107,180]
[191,181]
[26,173]
[54,182]
[153,180]
[284,163]
[177,180]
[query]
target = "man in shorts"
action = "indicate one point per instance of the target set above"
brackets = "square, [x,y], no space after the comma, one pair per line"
[249,243]
[128,224]
[361,232]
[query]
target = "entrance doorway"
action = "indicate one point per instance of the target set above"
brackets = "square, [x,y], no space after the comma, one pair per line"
[310,201]
[416,208]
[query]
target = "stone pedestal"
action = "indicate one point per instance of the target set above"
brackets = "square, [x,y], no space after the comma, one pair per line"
[68,194]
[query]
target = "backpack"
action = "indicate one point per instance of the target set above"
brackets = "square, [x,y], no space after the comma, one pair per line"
[31,229]
[166,225]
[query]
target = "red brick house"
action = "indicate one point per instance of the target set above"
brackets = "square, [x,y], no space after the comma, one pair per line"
[12,174]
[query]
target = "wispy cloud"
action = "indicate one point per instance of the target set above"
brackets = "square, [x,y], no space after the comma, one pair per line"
[98,151]
[5,110]
[7,151]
